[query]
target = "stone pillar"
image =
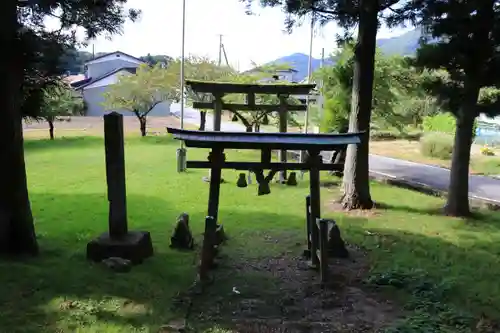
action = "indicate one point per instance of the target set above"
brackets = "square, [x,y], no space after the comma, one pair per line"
[118,241]
[115,174]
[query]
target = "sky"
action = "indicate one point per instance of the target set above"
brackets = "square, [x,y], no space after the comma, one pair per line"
[247,39]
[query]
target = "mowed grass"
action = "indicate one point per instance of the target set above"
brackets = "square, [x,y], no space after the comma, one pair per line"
[61,291]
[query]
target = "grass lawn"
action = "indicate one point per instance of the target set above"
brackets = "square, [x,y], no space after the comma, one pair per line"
[448,267]
[410,151]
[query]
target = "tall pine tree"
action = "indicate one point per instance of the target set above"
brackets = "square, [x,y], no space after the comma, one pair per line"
[461,38]
[365,14]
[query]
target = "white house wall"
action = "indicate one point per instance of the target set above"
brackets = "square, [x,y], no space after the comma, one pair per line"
[94,97]
[112,79]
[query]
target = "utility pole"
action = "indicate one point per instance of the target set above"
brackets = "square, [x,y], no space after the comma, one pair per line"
[309,73]
[321,97]
[181,151]
[220,49]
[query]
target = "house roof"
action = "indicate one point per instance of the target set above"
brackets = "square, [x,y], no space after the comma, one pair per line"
[111,53]
[90,80]
[74,78]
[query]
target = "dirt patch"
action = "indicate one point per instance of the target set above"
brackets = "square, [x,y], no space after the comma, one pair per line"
[282,294]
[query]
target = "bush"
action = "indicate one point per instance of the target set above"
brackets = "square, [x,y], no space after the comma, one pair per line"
[443,123]
[437,145]
[487,151]
[388,135]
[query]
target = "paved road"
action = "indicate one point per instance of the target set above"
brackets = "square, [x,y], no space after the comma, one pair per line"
[480,187]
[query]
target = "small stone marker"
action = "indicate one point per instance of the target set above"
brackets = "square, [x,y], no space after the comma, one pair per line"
[242,181]
[292,179]
[118,241]
[336,246]
[182,238]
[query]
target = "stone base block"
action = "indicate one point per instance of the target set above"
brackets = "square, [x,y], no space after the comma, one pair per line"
[135,246]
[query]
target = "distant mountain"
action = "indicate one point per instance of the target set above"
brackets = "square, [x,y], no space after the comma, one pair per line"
[405,44]
[300,62]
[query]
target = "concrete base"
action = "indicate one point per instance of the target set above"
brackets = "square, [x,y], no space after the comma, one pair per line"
[135,246]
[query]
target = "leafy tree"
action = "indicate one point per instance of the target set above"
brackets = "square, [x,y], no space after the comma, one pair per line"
[462,41]
[156,59]
[59,103]
[197,68]
[364,14]
[140,93]
[31,63]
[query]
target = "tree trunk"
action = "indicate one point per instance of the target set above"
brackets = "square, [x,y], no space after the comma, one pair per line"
[51,129]
[203,120]
[248,129]
[256,128]
[17,232]
[356,183]
[457,203]
[142,122]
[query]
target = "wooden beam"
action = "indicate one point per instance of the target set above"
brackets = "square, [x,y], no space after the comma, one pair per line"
[245,88]
[259,165]
[248,107]
[217,107]
[322,225]
[283,128]
[314,188]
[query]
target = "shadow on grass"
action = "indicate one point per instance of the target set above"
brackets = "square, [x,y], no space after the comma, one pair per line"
[408,209]
[479,221]
[448,286]
[62,291]
[469,270]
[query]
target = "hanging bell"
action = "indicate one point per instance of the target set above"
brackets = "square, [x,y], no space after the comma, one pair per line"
[265,120]
[242,180]
[235,118]
[292,179]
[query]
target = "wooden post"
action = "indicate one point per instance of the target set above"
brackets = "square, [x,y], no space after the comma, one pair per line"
[217,111]
[216,157]
[207,251]
[115,174]
[323,248]
[307,252]
[314,160]
[283,122]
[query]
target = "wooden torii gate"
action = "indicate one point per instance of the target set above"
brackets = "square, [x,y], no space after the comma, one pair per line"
[282,91]
[218,142]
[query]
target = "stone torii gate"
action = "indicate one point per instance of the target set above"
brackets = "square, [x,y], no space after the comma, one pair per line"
[219,89]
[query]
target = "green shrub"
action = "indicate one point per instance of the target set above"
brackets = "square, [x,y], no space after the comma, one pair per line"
[437,145]
[390,135]
[335,117]
[443,123]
